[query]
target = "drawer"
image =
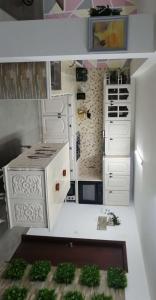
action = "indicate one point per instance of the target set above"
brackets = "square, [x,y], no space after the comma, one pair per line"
[26,184]
[117,146]
[116,197]
[117,129]
[117,182]
[116,165]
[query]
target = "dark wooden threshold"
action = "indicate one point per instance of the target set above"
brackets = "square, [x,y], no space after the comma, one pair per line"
[79,251]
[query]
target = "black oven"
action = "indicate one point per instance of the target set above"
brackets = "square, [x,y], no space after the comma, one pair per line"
[71,196]
[90,192]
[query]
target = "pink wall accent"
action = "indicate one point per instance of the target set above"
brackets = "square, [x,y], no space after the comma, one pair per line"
[70,5]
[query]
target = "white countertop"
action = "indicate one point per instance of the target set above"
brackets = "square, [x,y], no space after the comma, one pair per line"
[38,156]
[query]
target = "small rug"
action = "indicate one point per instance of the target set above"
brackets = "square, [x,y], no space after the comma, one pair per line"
[102,223]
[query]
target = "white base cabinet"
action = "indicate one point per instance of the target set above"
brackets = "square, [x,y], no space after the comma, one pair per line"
[116,178]
[37,183]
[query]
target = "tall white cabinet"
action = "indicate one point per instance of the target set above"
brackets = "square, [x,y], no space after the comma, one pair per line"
[117,137]
[58,124]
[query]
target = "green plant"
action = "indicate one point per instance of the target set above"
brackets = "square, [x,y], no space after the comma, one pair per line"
[40,270]
[45,294]
[15,269]
[101,297]
[15,293]
[115,219]
[116,278]
[73,296]
[90,275]
[65,273]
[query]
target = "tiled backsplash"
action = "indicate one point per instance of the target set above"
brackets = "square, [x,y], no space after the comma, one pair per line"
[90,161]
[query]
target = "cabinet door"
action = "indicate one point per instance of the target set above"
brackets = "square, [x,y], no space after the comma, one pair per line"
[117,128]
[117,146]
[117,166]
[56,106]
[55,130]
[117,182]
[117,111]
[116,197]
[118,93]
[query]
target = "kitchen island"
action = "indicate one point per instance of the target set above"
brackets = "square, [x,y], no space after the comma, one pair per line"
[36,184]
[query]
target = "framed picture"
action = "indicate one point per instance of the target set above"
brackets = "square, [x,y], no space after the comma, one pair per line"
[108,33]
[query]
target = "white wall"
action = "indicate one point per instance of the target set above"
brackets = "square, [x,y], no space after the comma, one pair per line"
[4,16]
[68,39]
[145,176]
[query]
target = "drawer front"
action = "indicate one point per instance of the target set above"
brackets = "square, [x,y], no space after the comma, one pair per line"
[118,93]
[27,213]
[116,197]
[120,166]
[117,182]
[26,184]
[117,146]
[117,128]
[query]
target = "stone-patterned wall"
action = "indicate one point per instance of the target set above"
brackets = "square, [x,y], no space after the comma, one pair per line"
[90,161]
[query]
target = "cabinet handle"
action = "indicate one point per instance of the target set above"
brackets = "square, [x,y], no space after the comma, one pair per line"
[64,172]
[57,187]
[110,192]
[110,173]
[111,139]
[110,176]
[111,122]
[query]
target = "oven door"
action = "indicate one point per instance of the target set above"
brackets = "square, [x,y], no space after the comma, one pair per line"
[90,192]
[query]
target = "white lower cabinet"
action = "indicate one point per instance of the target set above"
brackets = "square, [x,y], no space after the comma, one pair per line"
[117,129]
[116,178]
[117,146]
[116,197]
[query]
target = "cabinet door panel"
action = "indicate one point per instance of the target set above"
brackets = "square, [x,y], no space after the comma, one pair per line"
[120,166]
[117,182]
[117,128]
[117,111]
[55,129]
[117,146]
[56,106]
[116,197]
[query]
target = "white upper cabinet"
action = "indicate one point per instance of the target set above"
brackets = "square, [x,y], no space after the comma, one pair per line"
[57,106]
[55,129]
[117,129]
[118,93]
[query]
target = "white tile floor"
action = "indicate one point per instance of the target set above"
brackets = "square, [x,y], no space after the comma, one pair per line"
[79,220]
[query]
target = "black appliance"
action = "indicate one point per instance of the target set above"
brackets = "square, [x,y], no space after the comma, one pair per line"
[81,74]
[90,192]
[71,196]
[81,96]
[77,145]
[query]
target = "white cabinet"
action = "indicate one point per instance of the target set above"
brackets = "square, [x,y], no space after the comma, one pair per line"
[116,178]
[117,111]
[55,129]
[58,124]
[117,146]
[118,93]
[117,165]
[37,183]
[116,197]
[117,129]
[56,106]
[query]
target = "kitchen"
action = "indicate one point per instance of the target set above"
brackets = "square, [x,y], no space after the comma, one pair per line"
[107,233]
